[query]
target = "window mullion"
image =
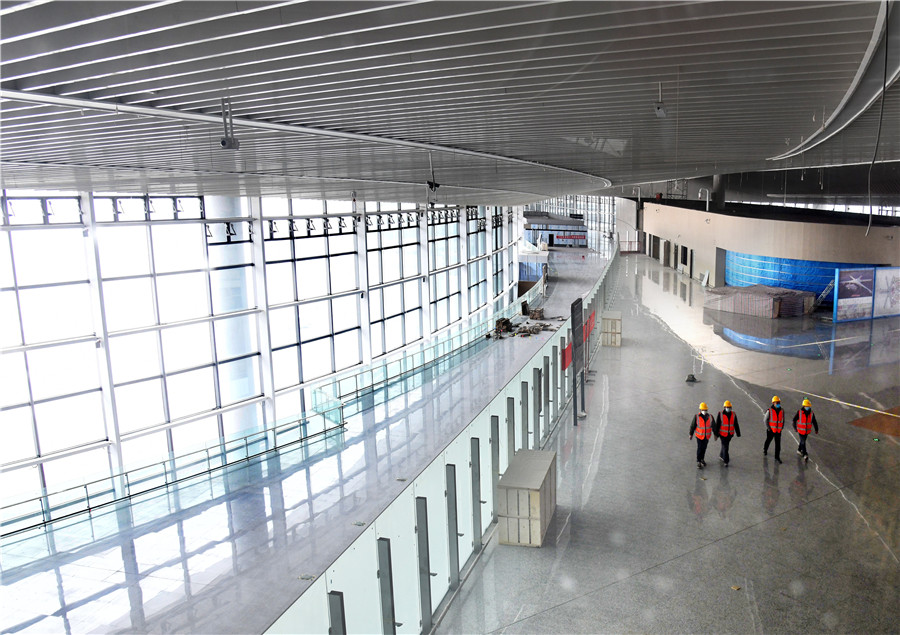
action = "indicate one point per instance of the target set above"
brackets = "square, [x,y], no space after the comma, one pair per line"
[362,267]
[212,337]
[104,361]
[261,298]
[425,268]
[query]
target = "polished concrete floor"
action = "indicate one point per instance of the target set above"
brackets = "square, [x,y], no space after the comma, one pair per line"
[231,551]
[643,541]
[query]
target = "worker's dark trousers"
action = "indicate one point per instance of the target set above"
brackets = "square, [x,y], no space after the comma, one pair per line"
[802,446]
[773,435]
[701,448]
[723,453]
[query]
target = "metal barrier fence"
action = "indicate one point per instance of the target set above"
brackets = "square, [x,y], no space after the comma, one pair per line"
[408,561]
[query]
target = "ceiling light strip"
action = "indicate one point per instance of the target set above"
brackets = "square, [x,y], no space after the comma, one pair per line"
[109,16]
[24,5]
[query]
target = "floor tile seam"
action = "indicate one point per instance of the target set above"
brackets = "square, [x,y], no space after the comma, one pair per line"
[670,560]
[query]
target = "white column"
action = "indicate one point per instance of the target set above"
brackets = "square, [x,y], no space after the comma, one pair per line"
[464,258]
[425,268]
[267,375]
[235,207]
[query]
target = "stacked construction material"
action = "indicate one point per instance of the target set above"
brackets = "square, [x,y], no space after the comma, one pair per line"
[760,301]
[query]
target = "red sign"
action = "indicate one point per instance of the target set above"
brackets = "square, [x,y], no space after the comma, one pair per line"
[574,237]
[588,326]
[567,356]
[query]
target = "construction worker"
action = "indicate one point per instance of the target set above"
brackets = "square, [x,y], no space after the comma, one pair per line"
[774,420]
[804,422]
[726,428]
[701,427]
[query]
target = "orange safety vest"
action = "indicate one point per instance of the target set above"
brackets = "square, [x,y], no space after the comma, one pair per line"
[776,420]
[804,425]
[704,426]
[727,428]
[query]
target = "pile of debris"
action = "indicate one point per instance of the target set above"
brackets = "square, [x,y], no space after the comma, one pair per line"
[520,328]
[503,325]
[760,301]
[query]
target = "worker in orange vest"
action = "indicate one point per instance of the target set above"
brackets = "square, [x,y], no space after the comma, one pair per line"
[726,428]
[774,420]
[804,422]
[701,427]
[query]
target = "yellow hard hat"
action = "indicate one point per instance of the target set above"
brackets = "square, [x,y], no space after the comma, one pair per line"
[775,399]
[806,403]
[727,404]
[703,406]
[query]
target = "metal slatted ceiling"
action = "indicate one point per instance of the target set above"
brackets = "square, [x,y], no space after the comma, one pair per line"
[563,85]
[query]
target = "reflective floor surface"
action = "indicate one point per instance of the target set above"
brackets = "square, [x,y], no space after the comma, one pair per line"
[643,541]
[230,552]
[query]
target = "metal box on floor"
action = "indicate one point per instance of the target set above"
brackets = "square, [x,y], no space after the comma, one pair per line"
[527,498]
[611,328]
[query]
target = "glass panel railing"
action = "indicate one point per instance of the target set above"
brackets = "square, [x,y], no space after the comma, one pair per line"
[85,498]
[393,366]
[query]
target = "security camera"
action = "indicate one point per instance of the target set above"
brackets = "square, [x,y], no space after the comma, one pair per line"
[229,143]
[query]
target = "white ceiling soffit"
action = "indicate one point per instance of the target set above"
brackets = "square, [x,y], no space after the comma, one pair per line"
[506,102]
[878,72]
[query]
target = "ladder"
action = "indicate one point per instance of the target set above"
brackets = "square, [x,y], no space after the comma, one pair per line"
[823,295]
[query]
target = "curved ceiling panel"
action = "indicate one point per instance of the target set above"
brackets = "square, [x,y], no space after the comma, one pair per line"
[506,101]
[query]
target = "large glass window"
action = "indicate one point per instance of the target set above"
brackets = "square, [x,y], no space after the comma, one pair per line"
[394,269]
[161,293]
[444,257]
[312,282]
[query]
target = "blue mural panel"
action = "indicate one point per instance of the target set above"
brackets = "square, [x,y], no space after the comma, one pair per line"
[743,270]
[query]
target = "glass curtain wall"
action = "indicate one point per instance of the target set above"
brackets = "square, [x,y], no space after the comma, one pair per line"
[446,264]
[598,212]
[476,229]
[394,272]
[155,326]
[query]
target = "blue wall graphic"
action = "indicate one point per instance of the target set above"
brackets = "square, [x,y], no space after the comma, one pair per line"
[743,270]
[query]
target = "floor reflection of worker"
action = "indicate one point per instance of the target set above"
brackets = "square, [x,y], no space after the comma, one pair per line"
[701,427]
[726,428]
[798,489]
[774,420]
[770,493]
[804,423]
[698,500]
[724,494]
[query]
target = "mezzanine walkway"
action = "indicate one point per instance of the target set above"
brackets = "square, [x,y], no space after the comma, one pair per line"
[230,552]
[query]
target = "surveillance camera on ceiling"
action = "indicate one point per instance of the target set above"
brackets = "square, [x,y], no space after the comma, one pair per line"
[229,143]
[660,109]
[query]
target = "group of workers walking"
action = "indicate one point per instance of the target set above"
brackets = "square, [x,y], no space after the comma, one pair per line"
[725,427]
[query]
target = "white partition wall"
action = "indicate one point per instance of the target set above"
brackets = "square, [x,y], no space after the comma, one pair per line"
[398,521]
